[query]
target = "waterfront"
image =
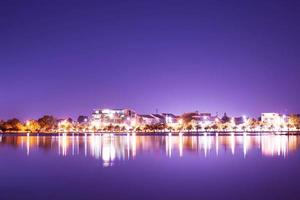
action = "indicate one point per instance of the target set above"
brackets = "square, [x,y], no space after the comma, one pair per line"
[149,167]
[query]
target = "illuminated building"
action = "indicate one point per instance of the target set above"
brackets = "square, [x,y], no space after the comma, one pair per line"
[273,120]
[159,119]
[102,118]
[204,119]
[146,120]
[270,118]
[170,118]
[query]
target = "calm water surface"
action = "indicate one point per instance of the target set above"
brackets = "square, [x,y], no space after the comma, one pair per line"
[149,167]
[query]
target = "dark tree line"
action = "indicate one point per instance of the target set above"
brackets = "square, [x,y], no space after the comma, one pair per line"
[45,123]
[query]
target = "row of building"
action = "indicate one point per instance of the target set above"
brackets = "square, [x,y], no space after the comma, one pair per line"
[129,119]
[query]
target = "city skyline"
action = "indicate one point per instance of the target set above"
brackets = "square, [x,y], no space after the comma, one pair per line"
[154,111]
[120,121]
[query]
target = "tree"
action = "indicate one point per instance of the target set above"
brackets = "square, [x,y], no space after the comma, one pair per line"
[188,117]
[117,128]
[225,127]
[189,128]
[47,123]
[234,128]
[32,126]
[70,120]
[253,123]
[170,128]
[12,125]
[244,128]
[215,127]
[69,126]
[1,125]
[262,126]
[138,129]
[179,128]
[225,118]
[271,128]
[294,120]
[123,128]
[109,128]
[198,127]
[289,126]
[82,119]
[206,128]
[281,127]
[148,127]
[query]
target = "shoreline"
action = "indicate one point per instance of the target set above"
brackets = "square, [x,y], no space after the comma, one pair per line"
[183,133]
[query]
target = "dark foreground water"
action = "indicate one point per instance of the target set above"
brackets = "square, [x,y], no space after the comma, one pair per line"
[149,167]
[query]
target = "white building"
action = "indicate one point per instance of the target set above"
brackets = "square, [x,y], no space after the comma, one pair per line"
[272,118]
[170,118]
[116,117]
[146,120]
[159,119]
[204,119]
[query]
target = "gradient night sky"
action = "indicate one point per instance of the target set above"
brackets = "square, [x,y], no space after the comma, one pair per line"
[66,58]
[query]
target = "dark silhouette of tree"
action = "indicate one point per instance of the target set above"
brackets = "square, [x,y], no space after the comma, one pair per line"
[188,117]
[170,128]
[225,118]
[206,128]
[123,128]
[82,119]
[117,128]
[70,120]
[198,127]
[1,125]
[189,128]
[47,123]
[215,127]
[12,125]
[138,129]
[109,128]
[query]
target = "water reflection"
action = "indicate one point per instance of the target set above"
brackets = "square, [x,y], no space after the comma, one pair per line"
[110,148]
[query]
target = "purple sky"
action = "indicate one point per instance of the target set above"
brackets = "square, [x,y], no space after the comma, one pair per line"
[66,58]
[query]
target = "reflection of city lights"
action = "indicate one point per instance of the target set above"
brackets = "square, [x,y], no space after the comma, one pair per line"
[169,144]
[108,152]
[85,144]
[133,144]
[64,144]
[59,144]
[128,144]
[245,144]
[275,145]
[111,148]
[27,144]
[37,140]
[180,144]
[73,144]
[217,144]
[205,144]
[232,140]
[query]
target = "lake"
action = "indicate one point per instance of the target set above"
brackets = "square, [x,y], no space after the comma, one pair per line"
[149,167]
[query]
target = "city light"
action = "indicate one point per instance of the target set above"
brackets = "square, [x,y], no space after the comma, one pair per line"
[127,120]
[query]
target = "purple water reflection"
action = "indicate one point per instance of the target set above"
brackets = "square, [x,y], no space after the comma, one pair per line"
[149,167]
